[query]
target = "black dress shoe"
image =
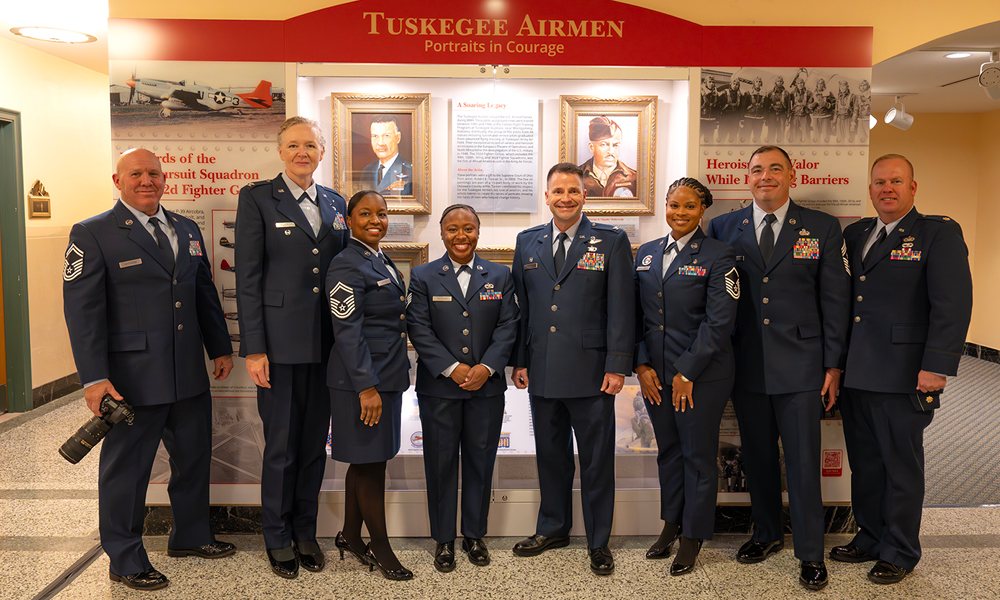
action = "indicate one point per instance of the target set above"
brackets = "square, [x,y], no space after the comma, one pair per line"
[342,544]
[150,579]
[813,575]
[476,549]
[213,550]
[444,557]
[850,554]
[310,556]
[283,562]
[662,547]
[536,544]
[886,573]
[400,574]
[754,552]
[601,561]
[686,555]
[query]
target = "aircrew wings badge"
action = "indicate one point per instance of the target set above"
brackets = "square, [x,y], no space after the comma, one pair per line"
[341,300]
[73,265]
[733,283]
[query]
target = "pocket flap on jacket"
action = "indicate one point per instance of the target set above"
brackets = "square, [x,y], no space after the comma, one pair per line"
[596,338]
[126,342]
[909,334]
[378,345]
[273,297]
[809,330]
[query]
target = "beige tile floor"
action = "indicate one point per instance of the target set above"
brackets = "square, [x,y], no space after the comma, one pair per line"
[48,520]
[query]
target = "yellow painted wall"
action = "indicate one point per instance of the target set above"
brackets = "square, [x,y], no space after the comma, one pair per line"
[986,274]
[66,143]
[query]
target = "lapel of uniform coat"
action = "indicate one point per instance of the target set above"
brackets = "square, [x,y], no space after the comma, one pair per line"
[859,250]
[140,235]
[543,250]
[288,205]
[449,279]
[688,254]
[785,241]
[748,237]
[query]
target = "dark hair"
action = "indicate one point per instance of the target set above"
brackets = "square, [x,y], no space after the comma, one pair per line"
[564,167]
[695,186]
[764,149]
[356,198]
[386,119]
[891,156]
[455,207]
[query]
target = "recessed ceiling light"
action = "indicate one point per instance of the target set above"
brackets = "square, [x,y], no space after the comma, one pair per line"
[958,55]
[52,34]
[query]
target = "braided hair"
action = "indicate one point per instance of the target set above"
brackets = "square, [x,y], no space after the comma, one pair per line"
[695,186]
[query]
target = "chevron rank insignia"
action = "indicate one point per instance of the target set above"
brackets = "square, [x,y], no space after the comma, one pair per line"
[847,261]
[73,265]
[341,300]
[733,283]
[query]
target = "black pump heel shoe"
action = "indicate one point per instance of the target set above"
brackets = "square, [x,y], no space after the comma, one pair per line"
[686,555]
[342,544]
[400,574]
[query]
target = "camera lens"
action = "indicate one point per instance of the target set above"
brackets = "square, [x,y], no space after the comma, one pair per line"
[84,440]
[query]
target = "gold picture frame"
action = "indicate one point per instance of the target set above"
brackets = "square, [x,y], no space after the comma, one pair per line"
[626,191]
[503,255]
[407,185]
[406,256]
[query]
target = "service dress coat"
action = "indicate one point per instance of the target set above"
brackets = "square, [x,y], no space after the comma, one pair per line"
[368,307]
[684,321]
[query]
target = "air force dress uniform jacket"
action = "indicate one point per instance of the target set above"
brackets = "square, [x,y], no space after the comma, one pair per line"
[912,303]
[145,326]
[280,268]
[579,324]
[791,324]
[446,326]
[131,319]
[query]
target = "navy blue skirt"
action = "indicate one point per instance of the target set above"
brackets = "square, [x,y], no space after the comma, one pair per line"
[351,441]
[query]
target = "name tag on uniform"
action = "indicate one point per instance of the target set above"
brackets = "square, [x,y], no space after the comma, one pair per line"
[530,266]
[130,263]
[441,298]
[283,224]
[640,268]
[385,281]
[739,258]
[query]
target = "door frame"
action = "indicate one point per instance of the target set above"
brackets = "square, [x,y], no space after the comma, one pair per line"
[14,247]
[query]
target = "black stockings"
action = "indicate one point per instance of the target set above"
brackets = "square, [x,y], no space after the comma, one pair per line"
[365,502]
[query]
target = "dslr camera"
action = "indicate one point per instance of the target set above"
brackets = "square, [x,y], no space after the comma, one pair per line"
[94,430]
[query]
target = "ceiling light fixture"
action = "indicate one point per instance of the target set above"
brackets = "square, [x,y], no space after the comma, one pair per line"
[989,76]
[958,55]
[872,122]
[898,118]
[53,34]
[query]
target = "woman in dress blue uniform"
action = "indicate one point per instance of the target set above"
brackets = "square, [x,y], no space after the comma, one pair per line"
[463,322]
[367,375]
[687,289]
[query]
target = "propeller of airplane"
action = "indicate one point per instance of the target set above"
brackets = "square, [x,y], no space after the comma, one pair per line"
[131,84]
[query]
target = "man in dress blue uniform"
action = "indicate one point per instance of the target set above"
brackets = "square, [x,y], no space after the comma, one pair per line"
[462,320]
[912,303]
[287,231]
[389,174]
[790,341]
[573,281]
[141,310]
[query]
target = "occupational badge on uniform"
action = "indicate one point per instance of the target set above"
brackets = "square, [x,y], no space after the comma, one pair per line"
[647,260]
[591,261]
[692,270]
[847,261]
[338,223]
[490,293]
[909,239]
[733,283]
[803,232]
[341,300]
[593,240]
[194,248]
[807,248]
[73,264]
[905,254]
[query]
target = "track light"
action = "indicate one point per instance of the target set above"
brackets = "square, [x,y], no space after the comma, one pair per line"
[898,118]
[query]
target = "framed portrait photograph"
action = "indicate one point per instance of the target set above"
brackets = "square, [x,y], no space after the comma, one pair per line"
[614,142]
[498,254]
[383,143]
[406,256]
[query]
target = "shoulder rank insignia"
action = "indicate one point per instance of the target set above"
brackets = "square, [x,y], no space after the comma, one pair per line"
[73,264]
[733,283]
[341,300]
